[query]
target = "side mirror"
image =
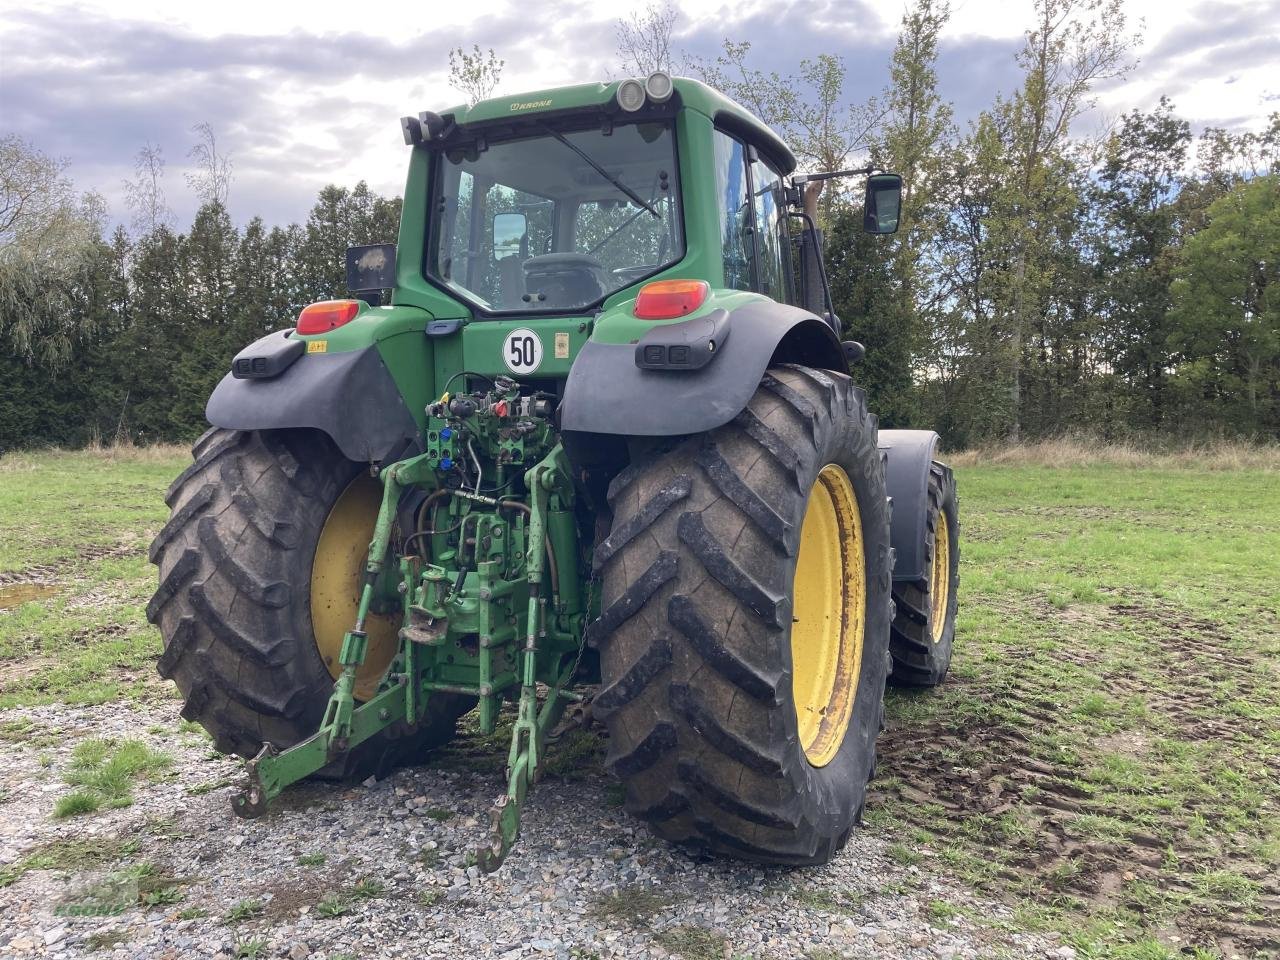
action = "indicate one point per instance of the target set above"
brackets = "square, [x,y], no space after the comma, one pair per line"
[508,234]
[371,269]
[883,204]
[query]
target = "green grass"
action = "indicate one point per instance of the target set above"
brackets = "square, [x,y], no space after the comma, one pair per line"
[244,910]
[333,906]
[1115,684]
[692,943]
[828,901]
[430,896]
[633,905]
[71,855]
[101,940]
[80,523]
[250,949]
[104,771]
[342,901]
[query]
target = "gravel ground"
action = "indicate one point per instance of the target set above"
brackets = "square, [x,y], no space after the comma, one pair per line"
[584,880]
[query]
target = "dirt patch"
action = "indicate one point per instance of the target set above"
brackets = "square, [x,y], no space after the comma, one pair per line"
[1194,659]
[45,574]
[15,673]
[1091,513]
[16,594]
[1040,809]
[36,575]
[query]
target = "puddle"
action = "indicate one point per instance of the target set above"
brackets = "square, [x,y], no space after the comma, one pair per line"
[14,594]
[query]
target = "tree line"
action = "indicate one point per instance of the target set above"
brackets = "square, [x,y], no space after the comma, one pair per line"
[1123,285]
[123,336]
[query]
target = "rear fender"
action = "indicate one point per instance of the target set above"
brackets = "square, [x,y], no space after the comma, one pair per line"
[351,396]
[612,389]
[908,457]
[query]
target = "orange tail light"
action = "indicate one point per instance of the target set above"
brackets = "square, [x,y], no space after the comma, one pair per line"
[668,299]
[327,315]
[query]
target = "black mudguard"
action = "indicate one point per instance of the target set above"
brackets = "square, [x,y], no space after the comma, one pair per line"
[350,396]
[908,456]
[609,393]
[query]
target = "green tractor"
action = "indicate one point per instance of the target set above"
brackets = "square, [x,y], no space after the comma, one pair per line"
[590,422]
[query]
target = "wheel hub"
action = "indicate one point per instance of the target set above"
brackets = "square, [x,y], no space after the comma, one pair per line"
[940,579]
[829,617]
[336,577]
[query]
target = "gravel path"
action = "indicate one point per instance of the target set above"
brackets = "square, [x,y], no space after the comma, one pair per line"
[584,881]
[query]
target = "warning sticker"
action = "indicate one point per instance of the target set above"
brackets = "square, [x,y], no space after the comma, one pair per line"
[317,346]
[562,346]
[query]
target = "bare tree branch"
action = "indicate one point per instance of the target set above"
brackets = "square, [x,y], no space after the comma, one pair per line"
[144,194]
[212,177]
[475,74]
[644,40]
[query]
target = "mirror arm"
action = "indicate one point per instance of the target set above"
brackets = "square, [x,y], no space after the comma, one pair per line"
[812,177]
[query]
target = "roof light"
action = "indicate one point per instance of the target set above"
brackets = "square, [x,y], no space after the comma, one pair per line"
[659,86]
[630,95]
[668,299]
[327,315]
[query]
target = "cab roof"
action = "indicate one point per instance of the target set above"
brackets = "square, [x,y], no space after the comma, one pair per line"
[693,94]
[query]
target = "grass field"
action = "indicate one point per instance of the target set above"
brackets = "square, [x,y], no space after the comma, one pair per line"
[1106,754]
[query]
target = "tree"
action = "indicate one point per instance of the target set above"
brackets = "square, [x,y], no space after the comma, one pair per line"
[644,39]
[144,194]
[962,355]
[475,74]
[809,109]
[340,218]
[211,179]
[916,139]
[1226,310]
[1074,45]
[49,245]
[40,218]
[1137,183]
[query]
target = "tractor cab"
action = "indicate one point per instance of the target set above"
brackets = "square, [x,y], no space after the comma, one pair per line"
[569,201]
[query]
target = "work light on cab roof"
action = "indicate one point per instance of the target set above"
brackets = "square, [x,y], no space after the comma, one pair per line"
[596,391]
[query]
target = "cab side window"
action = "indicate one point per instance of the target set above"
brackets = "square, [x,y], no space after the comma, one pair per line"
[771,232]
[732,195]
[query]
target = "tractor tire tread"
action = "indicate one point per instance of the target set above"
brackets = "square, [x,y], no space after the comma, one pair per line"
[696,596]
[232,603]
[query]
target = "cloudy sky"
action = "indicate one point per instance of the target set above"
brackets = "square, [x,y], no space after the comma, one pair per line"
[305,94]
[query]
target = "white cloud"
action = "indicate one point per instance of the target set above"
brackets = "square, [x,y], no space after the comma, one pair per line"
[303,95]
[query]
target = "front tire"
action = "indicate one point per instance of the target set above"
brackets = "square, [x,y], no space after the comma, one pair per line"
[742,699]
[239,574]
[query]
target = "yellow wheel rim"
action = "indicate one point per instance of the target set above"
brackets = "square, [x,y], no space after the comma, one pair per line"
[830,593]
[336,575]
[940,578]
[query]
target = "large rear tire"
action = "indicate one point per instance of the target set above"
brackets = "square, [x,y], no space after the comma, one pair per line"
[240,580]
[924,627]
[745,625]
